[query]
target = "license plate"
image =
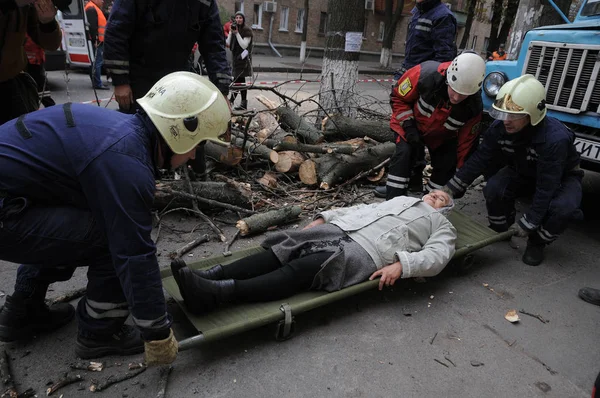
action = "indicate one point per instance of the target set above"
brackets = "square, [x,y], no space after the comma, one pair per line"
[76,42]
[589,150]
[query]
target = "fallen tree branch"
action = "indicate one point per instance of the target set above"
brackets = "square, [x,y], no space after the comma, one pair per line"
[261,222]
[539,317]
[65,381]
[196,242]
[164,372]
[68,296]
[323,148]
[203,200]
[364,173]
[109,381]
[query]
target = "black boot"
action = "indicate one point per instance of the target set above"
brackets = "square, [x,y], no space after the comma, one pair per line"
[415,184]
[380,191]
[242,106]
[22,318]
[128,341]
[534,253]
[203,295]
[590,295]
[214,274]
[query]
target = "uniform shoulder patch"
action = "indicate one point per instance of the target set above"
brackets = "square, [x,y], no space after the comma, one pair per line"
[404,87]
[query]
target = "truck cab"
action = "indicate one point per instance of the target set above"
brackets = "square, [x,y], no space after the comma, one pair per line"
[566,60]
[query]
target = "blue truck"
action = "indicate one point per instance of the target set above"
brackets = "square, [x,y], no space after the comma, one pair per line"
[566,60]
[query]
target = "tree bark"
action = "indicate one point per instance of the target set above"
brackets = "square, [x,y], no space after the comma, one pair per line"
[254,147]
[323,148]
[464,42]
[340,68]
[217,191]
[509,16]
[268,126]
[304,33]
[391,20]
[330,170]
[229,156]
[496,19]
[527,17]
[258,223]
[292,122]
[344,126]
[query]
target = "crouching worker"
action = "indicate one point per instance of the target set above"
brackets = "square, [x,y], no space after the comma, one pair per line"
[401,238]
[77,184]
[537,158]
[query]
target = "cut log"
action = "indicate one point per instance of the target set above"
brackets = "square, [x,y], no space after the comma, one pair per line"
[254,147]
[353,128]
[217,191]
[268,125]
[229,156]
[322,148]
[330,170]
[259,223]
[269,180]
[289,161]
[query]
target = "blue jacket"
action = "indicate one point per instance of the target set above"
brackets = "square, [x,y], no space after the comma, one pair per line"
[103,161]
[544,153]
[148,39]
[431,34]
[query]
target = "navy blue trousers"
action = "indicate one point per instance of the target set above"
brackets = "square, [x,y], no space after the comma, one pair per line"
[504,187]
[50,242]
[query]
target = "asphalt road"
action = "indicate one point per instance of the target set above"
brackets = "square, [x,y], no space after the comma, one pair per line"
[378,344]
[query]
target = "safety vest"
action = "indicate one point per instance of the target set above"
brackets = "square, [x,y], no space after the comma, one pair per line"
[497,57]
[101,20]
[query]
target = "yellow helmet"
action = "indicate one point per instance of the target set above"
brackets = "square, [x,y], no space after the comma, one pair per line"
[520,97]
[187,109]
[465,74]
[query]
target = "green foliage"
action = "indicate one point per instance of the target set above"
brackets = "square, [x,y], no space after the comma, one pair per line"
[224,14]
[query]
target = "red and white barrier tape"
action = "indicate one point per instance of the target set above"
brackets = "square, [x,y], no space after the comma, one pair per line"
[98,101]
[312,81]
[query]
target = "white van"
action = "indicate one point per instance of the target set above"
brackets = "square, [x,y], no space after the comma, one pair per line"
[73,23]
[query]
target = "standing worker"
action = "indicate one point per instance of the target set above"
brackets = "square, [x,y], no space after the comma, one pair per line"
[77,184]
[437,105]
[431,35]
[499,55]
[539,159]
[97,28]
[19,94]
[240,43]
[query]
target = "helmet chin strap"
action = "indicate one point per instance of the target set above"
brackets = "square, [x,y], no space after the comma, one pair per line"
[161,150]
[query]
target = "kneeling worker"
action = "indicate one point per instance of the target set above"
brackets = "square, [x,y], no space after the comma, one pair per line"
[437,105]
[77,184]
[400,238]
[538,158]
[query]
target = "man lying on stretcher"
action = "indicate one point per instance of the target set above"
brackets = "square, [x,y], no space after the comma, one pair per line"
[403,237]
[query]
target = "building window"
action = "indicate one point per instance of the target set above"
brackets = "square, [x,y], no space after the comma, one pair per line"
[300,20]
[381,31]
[474,42]
[283,20]
[257,19]
[323,24]
[239,6]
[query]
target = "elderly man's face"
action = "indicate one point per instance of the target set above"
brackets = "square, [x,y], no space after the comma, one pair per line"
[437,199]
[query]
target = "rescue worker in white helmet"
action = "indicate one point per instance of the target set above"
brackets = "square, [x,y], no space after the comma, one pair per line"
[77,184]
[537,158]
[437,105]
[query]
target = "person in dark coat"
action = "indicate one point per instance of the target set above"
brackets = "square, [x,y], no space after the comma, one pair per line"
[537,158]
[240,43]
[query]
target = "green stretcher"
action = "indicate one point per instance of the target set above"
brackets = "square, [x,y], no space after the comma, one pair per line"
[233,319]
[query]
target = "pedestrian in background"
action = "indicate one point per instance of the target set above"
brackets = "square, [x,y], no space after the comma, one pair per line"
[97,28]
[36,58]
[499,55]
[19,93]
[240,43]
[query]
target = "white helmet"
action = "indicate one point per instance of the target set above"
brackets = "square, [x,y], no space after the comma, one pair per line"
[187,109]
[465,74]
[520,97]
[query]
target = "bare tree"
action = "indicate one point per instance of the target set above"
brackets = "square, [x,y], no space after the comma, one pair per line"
[340,67]
[503,15]
[392,17]
[304,33]
[471,6]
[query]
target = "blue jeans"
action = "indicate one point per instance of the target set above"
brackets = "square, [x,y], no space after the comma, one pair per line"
[97,67]
[51,242]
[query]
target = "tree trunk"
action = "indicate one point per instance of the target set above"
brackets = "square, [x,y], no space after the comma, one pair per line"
[304,33]
[340,68]
[292,122]
[258,223]
[527,17]
[353,128]
[229,156]
[496,19]
[470,16]
[218,191]
[334,169]
[509,16]
[391,22]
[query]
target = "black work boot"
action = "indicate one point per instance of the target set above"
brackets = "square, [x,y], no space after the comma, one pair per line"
[127,341]
[214,273]
[22,318]
[415,185]
[203,295]
[590,295]
[380,191]
[534,253]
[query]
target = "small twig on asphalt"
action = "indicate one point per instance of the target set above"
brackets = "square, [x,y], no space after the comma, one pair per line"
[89,366]
[65,381]
[227,251]
[196,242]
[440,362]
[164,372]
[109,381]
[539,317]
[7,380]
[449,360]
[69,296]
[433,338]
[30,392]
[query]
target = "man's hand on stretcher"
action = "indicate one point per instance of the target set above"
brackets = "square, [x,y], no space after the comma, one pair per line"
[389,274]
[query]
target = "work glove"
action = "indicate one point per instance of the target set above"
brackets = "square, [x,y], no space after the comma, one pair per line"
[519,231]
[161,352]
[411,133]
